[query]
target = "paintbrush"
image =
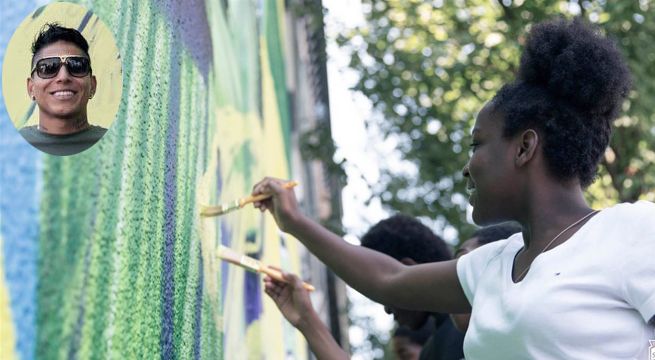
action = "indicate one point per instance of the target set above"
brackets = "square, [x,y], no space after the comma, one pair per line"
[208,211]
[253,265]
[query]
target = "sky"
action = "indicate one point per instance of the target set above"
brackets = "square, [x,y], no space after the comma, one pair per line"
[348,112]
[364,150]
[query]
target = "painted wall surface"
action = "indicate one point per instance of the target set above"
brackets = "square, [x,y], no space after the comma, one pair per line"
[103,254]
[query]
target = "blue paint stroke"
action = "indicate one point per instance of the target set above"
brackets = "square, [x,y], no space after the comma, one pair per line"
[166,340]
[226,235]
[252,298]
[20,182]
[252,284]
[189,20]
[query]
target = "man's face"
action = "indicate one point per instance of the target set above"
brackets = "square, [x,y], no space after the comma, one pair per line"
[64,96]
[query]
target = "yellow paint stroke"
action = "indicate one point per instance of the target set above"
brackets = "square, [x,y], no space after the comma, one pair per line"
[243,148]
[105,60]
[7,332]
[276,165]
[208,232]
[263,139]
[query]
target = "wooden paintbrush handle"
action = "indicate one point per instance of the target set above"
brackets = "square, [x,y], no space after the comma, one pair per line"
[251,199]
[277,275]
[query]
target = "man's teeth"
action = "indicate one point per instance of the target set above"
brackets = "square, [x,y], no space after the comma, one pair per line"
[63,93]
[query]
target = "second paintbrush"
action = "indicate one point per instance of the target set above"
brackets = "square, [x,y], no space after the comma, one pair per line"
[208,211]
[252,264]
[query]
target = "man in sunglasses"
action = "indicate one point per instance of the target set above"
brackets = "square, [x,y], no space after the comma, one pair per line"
[61,84]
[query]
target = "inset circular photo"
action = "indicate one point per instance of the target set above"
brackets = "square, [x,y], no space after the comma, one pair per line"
[62,79]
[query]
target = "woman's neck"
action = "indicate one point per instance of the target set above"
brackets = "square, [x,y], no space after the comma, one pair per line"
[549,212]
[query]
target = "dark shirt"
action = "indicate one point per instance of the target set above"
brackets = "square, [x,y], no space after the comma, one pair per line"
[446,342]
[62,145]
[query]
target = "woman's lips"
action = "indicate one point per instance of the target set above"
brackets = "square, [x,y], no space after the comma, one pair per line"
[471,192]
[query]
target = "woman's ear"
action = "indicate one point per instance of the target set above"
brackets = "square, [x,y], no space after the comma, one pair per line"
[527,149]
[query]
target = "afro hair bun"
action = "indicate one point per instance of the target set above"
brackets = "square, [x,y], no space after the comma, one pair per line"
[575,64]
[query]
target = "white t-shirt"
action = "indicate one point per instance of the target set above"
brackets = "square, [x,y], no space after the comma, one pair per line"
[589,298]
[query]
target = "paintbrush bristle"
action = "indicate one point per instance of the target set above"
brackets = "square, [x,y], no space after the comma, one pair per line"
[211,210]
[251,264]
[228,254]
[218,210]
[233,257]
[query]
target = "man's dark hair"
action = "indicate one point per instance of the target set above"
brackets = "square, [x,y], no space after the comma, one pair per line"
[52,32]
[493,233]
[571,84]
[402,236]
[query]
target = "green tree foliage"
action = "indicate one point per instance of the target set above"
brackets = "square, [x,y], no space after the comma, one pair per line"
[428,67]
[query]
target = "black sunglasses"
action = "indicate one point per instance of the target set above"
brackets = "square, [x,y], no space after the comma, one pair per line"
[47,68]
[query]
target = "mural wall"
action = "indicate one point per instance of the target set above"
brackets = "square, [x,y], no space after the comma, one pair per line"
[103,254]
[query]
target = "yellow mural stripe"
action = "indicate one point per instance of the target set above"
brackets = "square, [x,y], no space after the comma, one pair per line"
[7,332]
[274,141]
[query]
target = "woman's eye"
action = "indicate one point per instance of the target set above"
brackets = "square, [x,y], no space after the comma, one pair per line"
[472,147]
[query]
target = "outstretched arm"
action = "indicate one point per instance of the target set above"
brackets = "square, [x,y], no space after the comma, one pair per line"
[294,304]
[431,287]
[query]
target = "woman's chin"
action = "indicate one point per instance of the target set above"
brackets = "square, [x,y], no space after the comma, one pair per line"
[480,218]
[475,216]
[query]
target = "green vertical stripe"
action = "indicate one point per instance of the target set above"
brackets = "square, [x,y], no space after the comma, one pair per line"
[274,43]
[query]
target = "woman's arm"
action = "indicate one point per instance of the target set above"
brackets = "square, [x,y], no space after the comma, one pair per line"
[320,340]
[431,287]
[294,304]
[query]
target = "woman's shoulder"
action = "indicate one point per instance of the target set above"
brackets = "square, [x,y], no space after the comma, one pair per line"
[632,212]
[496,249]
[627,226]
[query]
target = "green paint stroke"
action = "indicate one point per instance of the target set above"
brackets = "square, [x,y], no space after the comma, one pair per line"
[187,243]
[273,12]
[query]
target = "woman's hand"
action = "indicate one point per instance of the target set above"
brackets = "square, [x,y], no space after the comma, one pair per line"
[291,298]
[293,301]
[282,204]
